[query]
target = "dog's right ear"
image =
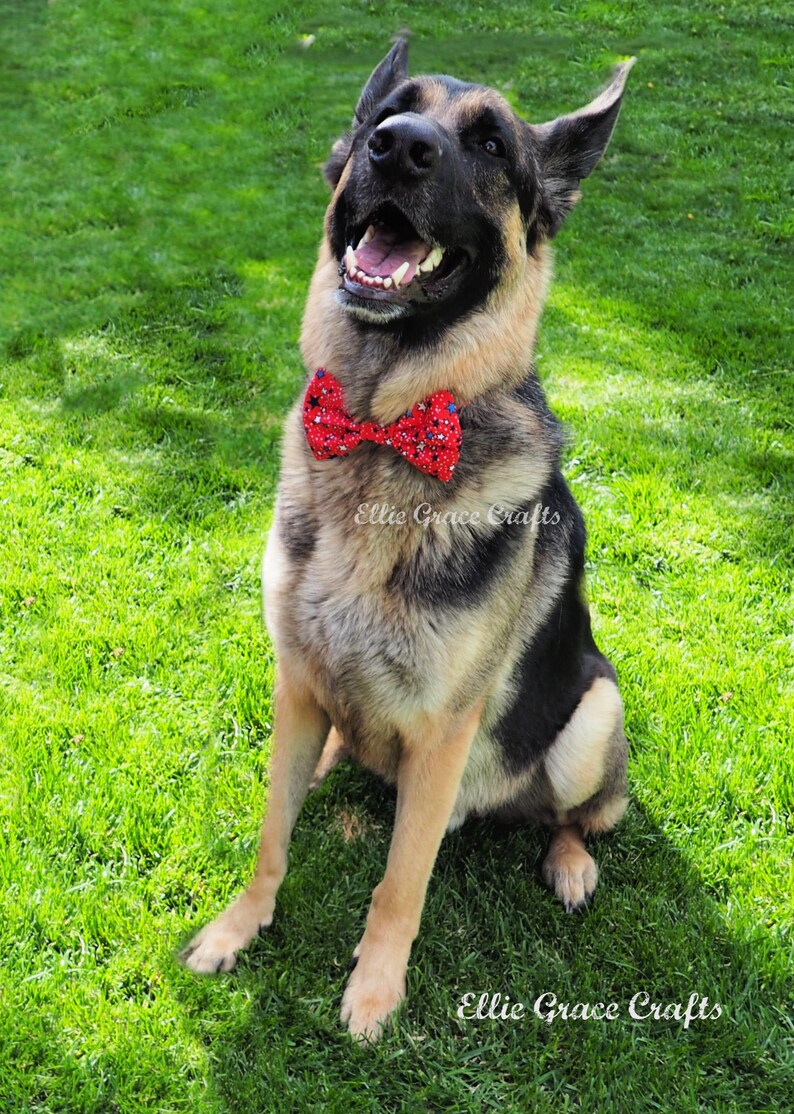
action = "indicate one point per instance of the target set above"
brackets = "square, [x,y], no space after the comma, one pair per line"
[386,76]
[570,146]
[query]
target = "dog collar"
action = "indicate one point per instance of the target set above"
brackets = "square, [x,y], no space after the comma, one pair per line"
[428,435]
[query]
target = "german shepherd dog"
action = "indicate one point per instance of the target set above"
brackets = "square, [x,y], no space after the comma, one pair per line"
[423,578]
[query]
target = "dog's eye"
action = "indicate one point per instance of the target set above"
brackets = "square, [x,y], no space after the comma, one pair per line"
[493,146]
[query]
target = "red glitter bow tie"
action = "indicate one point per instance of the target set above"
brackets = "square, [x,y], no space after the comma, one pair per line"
[428,435]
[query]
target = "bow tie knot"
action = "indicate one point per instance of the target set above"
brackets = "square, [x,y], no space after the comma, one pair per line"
[428,435]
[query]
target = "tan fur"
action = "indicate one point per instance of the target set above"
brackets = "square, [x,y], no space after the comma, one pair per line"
[427,778]
[301,727]
[575,761]
[456,113]
[486,350]
[568,869]
[605,818]
[333,753]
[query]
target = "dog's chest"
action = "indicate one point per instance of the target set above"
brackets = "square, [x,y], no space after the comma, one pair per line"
[377,647]
[380,659]
[387,586]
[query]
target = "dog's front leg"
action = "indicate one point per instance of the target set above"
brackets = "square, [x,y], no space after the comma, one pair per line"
[301,727]
[428,777]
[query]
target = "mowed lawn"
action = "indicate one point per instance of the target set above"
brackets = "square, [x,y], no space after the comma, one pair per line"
[162,203]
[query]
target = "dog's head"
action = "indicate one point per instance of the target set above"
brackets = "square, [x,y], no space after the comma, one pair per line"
[440,191]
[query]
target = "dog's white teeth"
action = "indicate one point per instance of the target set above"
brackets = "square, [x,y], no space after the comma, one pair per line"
[400,273]
[431,260]
[350,260]
[378,280]
[365,239]
[387,283]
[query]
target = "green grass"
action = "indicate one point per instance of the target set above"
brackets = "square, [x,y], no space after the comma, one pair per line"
[162,206]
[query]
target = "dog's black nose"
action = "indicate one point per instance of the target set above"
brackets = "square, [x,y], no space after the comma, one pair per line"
[405,146]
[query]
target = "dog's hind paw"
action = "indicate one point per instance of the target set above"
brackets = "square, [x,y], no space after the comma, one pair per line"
[575,887]
[570,870]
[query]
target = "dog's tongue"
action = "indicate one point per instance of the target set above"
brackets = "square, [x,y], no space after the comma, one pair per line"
[384,254]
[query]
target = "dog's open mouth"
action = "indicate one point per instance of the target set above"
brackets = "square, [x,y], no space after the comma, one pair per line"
[386,259]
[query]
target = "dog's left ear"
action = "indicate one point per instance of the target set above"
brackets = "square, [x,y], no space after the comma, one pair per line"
[385,77]
[569,147]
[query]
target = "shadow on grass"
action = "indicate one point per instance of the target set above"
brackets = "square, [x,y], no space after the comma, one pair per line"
[489,926]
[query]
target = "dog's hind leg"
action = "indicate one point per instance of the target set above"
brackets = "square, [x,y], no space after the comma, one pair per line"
[428,778]
[301,727]
[586,769]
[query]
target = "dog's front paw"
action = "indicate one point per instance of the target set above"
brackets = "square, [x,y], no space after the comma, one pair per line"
[215,948]
[370,998]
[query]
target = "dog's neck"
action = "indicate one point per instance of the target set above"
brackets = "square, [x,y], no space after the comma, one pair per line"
[491,348]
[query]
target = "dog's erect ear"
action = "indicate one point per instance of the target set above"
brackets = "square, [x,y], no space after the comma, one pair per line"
[569,147]
[385,77]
